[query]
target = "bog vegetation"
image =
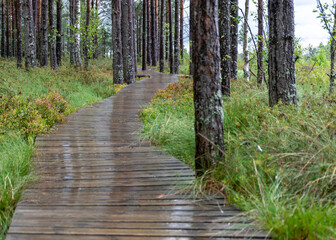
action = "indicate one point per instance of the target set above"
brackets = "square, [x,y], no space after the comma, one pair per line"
[279,162]
[32,103]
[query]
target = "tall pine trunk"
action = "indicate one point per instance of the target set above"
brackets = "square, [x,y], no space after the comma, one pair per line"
[181,29]
[281,63]
[30,40]
[18,14]
[13,28]
[59,42]
[3,23]
[209,133]
[144,35]
[153,33]
[8,52]
[52,36]
[234,39]
[171,50]
[118,74]
[245,42]
[87,37]
[44,34]
[225,45]
[127,46]
[176,38]
[260,56]
[38,30]
[162,57]
[77,39]
[332,56]
[149,33]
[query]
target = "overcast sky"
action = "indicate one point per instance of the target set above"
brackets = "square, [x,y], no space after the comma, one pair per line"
[308,27]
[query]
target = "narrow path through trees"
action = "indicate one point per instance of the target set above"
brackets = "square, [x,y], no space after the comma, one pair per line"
[99,181]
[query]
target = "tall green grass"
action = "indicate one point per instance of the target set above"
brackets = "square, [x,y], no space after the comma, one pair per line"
[21,90]
[280,162]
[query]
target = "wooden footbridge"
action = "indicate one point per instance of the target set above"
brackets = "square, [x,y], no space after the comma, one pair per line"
[100,181]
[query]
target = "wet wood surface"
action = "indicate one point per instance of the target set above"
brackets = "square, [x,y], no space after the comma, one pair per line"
[99,180]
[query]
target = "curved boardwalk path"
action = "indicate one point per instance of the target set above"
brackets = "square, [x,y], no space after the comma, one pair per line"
[99,181]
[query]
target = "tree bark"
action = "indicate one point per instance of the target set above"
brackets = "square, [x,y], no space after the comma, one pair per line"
[149,33]
[181,29]
[225,45]
[77,39]
[260,56]
[18,10]
[144,36]
[30,40]
[132,24]
[153,33]
[167,32]
[38,30]
[209,131]
[234,39]
[7,30]
[171,50]
[52,36]
[44,34]
[281,63]
[245,42]
[176,38]
[59,42]
[162,59]
[332,57]
[128,62]
[13,28]
[71,31]
[118,74]
[87,37]
[3,23]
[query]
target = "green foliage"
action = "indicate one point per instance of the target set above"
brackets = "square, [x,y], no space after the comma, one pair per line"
[279,163]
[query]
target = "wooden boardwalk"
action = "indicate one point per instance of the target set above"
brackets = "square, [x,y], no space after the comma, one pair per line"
[99,181]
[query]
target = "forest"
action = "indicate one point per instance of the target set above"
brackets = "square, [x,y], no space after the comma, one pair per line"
[252,114]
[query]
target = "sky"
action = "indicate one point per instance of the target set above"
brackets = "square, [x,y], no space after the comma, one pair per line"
[307,27]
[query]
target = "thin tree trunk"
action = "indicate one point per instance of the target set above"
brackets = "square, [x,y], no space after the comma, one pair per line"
[52,36]
[77,40]
[171,50]
[209,133]
[162,60]
[181,29]
[44,34]
[281,63]
[191,26]
[13,28]
[167,32]
[18,9]
[30,40]
[3,23]
[245,42]
[144,36]
[176,38]
[234,39]
[87,37]
[7,31]
[332,57]
[225,45]
[149,33]
[118,74]
[59,42]
[153,24]
[260,57]
[132,24]
[126,24]
[38,30]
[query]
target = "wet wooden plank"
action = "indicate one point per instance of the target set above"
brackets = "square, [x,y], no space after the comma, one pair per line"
[98,180]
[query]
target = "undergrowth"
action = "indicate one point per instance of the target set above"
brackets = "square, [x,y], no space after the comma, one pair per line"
[280,162]
[31,102]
